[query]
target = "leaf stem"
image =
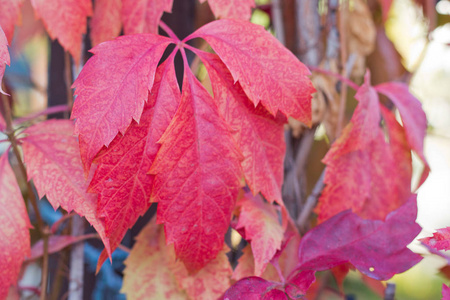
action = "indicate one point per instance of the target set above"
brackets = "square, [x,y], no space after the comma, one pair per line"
[12,138]
[169,31]
[48,111]
[45,237]
[347,81]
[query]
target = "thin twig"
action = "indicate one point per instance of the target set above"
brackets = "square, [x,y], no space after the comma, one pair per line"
[343,43]
[278,25]
[15,147]
[44,280]
[310,202]
[347,81]
[48,111]
[68,77]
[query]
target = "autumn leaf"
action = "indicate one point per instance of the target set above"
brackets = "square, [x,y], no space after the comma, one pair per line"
[366,160]
[112,89]
[376,248]
[4,60]
[143,16]
[197,177]
[153,273]
[445,292]
[232,9]
[410,109]
[246,267]
[121,178]
[254,288]
[262,228]
[106,21]
[65,21]
[260,63]
[14,235]
[258,134]
[53,163]
[440,239]
[9,15]
[299,283]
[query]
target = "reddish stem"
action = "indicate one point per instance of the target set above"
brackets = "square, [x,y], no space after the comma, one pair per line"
[48,111]
[168,31]
[335,75]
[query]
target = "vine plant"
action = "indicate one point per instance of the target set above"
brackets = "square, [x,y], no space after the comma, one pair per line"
[211,159]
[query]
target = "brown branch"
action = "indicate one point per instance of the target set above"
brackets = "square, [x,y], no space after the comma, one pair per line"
[310,203]
[389,292]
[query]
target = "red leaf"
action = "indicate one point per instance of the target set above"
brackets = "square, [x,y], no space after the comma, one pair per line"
[9,15]
[246,267]
[197,177]
[153,273]
[108,99]
[14,236]
[259,135]
[56,243]
[231,9]
[298,285]
[4,59]
[445,292]
[251,53]
[440,239]
[262,228]
[121,178]
[410,109]
[252,288]
[53,162]
[376,248]
[106,21]
[65,21]
[143,16]
[378,174]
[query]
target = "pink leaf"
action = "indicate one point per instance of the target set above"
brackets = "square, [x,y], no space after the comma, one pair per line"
[108,99]
[4,60]
[65,21]
[197,177]
[121,178]
[445,292]
[440,239]
[266,70]
[410,109]
[106,21]
[231,9]
[143,16]
[376,248]
[252,288]
[14,236]
[53,162]
[262,228]
[259,135]
[9,15]
[298,285]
